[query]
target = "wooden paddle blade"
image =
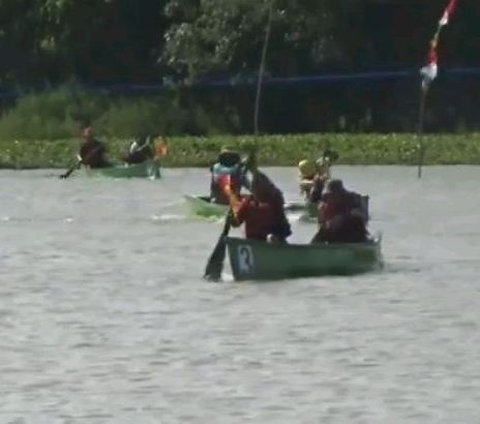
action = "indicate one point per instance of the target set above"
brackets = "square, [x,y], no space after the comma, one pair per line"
[67,174]
[213,270]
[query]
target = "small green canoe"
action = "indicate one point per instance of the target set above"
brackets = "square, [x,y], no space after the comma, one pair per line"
[201,206]
[149,169]
[256,260]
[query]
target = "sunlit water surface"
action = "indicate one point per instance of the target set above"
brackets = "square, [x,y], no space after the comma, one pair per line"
[105,318]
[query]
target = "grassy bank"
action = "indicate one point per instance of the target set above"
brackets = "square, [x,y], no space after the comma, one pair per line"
[354,149]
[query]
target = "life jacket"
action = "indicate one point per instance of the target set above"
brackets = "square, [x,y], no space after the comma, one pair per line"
[337,222]
[221,176]
[333,205]
[259,218]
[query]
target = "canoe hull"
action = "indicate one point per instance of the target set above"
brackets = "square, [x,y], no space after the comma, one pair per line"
[150,169]
[200,206]
[254,260]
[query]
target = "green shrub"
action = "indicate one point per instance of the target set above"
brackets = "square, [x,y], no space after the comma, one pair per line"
[59,114]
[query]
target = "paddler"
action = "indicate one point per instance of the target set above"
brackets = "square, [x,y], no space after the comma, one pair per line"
[262,211]
[340,216]
[140,150]
[92,151]
[322,175]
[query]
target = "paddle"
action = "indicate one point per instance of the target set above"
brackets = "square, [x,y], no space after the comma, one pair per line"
[213,270]
[73,168]
[79,162]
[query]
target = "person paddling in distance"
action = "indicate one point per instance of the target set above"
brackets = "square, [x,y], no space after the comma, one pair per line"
[314,176]
[340,216]
[322,176]
[228,170]
[160,147]
[147,147]
[140,150]
[262,211]
[92,151]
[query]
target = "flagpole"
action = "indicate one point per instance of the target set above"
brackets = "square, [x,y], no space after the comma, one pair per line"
[262,68]
[429,73]
[421,116]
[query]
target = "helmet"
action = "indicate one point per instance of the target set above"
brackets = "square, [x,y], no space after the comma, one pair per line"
[306,167]
[229,158]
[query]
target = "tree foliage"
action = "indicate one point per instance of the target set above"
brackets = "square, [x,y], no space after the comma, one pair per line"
[144,41]
[92,40]
[226,36]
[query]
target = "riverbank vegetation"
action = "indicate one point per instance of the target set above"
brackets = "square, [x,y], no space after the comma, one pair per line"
[273,150]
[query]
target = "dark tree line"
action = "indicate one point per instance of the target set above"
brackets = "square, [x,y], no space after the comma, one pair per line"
[153,41]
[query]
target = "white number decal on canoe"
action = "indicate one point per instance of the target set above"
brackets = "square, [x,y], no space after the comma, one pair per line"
[245,259]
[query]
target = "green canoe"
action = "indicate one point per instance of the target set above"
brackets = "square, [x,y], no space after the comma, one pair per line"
[201,206]
[256,260]
[149,169]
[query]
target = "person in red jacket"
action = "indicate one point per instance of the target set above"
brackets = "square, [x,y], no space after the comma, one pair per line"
[340,216]
[262,211]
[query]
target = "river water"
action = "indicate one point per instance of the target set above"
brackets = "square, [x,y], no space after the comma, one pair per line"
[104,316]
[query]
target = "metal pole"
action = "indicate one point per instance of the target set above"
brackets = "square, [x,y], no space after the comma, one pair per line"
[262,67]
[421,115]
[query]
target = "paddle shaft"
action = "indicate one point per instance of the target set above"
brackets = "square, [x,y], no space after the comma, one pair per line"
[73,168]
[421,116]
[79,162]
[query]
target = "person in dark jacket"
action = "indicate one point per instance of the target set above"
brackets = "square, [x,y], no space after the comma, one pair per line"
[140,150]
[92,151]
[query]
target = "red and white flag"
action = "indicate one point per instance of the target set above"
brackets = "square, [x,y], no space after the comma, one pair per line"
[430,71]
[448,11]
